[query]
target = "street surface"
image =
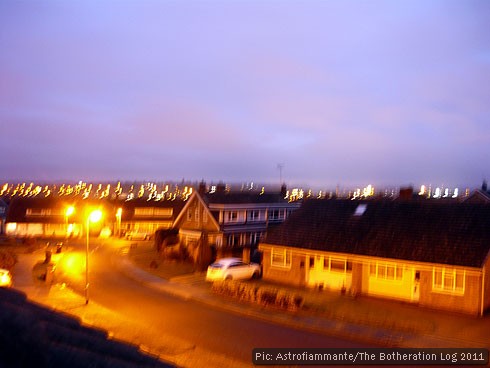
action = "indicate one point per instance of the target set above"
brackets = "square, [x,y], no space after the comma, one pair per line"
[194,324]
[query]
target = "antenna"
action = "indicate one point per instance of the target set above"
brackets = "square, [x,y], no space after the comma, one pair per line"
[280,167]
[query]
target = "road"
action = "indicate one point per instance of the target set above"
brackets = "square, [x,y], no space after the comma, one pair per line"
[194,324]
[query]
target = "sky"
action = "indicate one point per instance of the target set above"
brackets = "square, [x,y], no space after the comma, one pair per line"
[334,92]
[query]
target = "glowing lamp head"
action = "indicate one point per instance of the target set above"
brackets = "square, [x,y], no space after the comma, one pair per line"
[69,211]
[95,216]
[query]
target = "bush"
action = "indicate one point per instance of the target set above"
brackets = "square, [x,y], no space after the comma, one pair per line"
[7,260]
[263,295]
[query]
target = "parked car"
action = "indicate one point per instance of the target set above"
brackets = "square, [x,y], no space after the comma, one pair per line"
[5,278]
[232,269]
[136,235]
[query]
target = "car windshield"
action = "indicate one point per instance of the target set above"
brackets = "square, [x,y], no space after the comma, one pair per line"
[216,265]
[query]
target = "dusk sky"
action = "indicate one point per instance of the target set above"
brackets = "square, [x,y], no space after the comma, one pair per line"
[340,92]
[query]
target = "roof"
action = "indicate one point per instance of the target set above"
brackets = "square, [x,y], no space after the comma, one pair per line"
[479,196]
[243,198]
[57,205]
[34,336]
[447,233]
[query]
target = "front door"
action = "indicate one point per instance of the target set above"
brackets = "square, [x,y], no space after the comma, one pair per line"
[416,286]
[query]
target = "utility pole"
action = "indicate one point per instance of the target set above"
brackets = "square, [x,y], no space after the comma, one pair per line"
[280,167]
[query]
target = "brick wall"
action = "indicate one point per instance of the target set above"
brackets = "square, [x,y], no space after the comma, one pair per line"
[469,302]
[292,276]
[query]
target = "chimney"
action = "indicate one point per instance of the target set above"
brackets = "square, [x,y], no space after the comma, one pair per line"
[202,188]
[284,190]
[406,193]
[221,187]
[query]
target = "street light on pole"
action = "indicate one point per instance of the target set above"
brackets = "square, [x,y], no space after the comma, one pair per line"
[94,216]
[118,217]
[69,211]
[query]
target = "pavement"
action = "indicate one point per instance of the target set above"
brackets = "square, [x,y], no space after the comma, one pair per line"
[424,328]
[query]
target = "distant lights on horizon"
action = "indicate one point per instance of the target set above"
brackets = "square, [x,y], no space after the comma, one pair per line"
[157,192]
[440,192]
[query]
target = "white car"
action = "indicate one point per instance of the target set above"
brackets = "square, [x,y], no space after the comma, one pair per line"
[5,278]
[232,269]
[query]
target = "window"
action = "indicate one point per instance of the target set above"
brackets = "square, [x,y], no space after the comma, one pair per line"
[143,211]
[232,216]
[281,258]
[255,238]
[204,216]
[43,212]
[196,214]
[448,280]
[336,264]
[153,211]
[254,215]
[276,215]
[386,271]
[164,212]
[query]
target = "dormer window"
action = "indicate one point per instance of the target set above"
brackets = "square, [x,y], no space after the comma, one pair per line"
[360,209]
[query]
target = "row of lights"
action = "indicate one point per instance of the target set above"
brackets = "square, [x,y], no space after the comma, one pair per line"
[100,191]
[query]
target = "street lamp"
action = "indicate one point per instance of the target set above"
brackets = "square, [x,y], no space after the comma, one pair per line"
[69,211]
[118,217]
[94,216]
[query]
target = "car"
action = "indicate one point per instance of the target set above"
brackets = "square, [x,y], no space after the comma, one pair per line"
[5,278]
[136,235]
[232,269]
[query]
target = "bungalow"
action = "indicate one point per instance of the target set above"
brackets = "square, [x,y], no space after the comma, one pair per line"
[433,254]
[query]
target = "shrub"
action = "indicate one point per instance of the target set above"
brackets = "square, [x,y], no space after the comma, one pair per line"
[263,295]
[7,260]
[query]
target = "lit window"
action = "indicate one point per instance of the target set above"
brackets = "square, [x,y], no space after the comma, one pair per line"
[448,280]
[281,258]
[385,271]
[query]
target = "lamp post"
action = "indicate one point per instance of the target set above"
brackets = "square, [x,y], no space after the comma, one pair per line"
[94,216]
[118,217]
[69,211]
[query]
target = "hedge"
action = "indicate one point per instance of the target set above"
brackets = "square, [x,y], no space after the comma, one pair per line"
[266,296]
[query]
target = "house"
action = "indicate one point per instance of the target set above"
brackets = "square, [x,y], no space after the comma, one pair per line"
[3,215]
[429,253]
[53,216]
[479,196]
[190,217]
[244,216]
[146,215]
